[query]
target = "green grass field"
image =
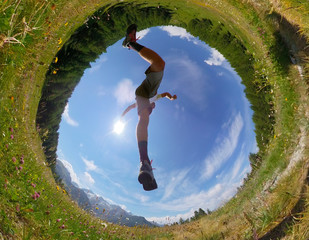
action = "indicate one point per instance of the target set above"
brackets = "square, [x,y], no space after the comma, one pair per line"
[33,206]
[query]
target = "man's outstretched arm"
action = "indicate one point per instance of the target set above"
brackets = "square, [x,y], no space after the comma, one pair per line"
[128,109]
[168,95]
[162,95]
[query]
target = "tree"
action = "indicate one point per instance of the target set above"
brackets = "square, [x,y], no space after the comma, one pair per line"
[201,212]
[255,161]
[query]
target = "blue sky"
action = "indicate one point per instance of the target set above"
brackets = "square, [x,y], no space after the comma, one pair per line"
[199,143]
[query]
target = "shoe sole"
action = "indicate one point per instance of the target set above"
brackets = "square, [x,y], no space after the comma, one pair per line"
[148,182]
[150,186]
[144,178]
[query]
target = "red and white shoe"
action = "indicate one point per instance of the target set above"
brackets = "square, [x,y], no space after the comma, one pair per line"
[130,36]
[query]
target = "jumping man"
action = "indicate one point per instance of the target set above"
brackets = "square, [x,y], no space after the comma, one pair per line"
[146,95]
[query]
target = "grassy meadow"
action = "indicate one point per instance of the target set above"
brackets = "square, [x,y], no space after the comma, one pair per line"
[274,200]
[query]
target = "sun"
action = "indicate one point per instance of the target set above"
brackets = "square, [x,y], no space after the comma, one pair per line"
[119,127]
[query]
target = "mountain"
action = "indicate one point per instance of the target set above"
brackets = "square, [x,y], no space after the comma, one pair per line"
[114,213]
[96,204]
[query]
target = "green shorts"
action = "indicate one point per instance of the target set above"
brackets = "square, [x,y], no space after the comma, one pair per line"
[150,85]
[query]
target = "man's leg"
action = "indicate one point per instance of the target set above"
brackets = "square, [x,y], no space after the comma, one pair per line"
[157,64]
[145,176]
[142,134]
[142,126]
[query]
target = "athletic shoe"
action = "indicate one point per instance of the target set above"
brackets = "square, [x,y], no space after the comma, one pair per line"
[149,186]
[146,177]
[130,36]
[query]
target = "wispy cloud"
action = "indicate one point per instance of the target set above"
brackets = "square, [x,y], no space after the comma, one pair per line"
[189,79]
[90,166]
[238,163]
[167,220]
[84,180]
[216,58]
[174,31]
[239,169]
[225,148]
[174,182]
[142,198]
[71,171]
[67,117]
[97,64]
[205,199]
[220,193]
[125,92]
[88,179]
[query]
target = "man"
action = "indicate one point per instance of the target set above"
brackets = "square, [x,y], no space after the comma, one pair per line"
[146,91]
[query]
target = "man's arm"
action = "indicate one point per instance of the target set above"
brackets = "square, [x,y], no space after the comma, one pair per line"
[128,109]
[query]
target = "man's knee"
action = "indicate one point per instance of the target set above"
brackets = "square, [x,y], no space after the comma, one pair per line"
[158,65]
[161,64]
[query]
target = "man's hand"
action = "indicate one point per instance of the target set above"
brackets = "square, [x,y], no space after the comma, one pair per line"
[169,96]
[173,97]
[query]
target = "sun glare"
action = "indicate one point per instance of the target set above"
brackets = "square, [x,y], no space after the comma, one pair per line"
[119,127]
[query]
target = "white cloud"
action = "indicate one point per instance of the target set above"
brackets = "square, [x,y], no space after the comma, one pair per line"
[90,166]
[225,148]
[189,79]
[142,198]
[67,117]
[175,181]
[97,64]
[142,33]
[238,163]
[167,220]
[216,58]
[124,207]
[210,199]
[88,178]
[125,92]
[174,31]
[70,169]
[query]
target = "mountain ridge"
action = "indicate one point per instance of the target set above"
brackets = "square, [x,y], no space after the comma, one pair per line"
[96,204]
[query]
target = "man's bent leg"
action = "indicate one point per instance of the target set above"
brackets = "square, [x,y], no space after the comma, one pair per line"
[157,64]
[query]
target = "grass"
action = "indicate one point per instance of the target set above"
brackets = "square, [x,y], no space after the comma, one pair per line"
[32,206]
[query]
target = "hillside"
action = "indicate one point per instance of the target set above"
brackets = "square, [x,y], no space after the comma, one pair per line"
[273,34]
